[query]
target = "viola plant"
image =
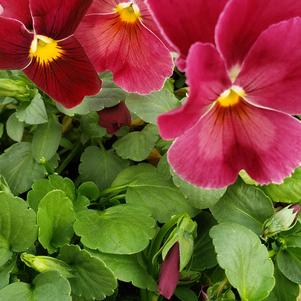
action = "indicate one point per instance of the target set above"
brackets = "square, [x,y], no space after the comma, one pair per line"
[143,181]
[37,37]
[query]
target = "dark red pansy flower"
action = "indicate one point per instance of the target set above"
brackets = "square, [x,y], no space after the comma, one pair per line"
[37,37]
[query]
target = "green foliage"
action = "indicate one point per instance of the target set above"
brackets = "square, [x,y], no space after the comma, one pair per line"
[55,219]
[137,146]
[288,192]
[128,268]
[149,107]
[149,189]
[92,279]
[46,287]
[245,205]
[19,168]
[245,260]
[122,229]
[100,166]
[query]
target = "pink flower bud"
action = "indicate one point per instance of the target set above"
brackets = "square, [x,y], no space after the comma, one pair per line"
[169,272]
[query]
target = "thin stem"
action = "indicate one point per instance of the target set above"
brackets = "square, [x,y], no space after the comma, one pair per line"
[68,159]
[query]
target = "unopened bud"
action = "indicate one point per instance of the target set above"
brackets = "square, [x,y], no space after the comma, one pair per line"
[283,220]
[17,89]
[47,263]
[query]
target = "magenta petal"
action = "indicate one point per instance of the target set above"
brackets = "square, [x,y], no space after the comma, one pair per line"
[265,143]
[58,19]
[169,272]
[271,72]
[244,20]
[67,79]
[15,43]
[115,117]
[138,59]
[17,9]
[187,22]
[207,79]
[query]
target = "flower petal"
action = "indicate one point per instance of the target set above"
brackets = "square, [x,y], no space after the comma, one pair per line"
[140,62]
[265,143]
[187,22]
[67,79]
[242,22]
[207,79]
[271,72]
[58,19]
[15,43]
[169,272]
[17,9]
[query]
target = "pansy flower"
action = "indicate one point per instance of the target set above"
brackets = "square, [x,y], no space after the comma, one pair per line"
[187,22]
[243,90]
[37,37]
[120,36]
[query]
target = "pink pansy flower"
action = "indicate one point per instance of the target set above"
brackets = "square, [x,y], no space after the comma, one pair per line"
[120,36]
[187,22]
[242,93]
[37,37]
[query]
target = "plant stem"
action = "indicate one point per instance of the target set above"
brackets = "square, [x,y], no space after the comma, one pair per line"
[68,159]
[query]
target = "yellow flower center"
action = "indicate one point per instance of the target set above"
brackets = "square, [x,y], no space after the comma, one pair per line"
[45,50]
[128,12]
[231,96]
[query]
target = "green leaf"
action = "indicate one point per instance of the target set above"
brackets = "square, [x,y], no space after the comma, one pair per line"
[245,205]
[245,260]
[48,286]
[41,187]
[149,189]
[1,129]
[284,289]
[55,218]
[14,128]
[19,168]
[204,256]
[288,192]
[128,268]
[46,140]
[90,127]
[90,190]
[34,113]
[289,263]
[17,223]
[149,107]
[121,229]
[137,146]
[92,279]
[100,166]
[185,294]
[198,197]
[6,270]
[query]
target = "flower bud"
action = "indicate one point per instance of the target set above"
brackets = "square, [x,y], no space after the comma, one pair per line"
[17,89]
[47,263]
[282,220]
[176,254]
[115,117]
[169,272]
